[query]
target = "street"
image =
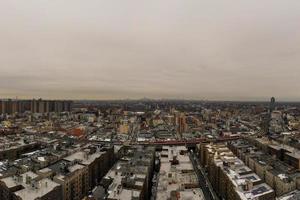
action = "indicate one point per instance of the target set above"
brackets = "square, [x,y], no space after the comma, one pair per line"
[208,191]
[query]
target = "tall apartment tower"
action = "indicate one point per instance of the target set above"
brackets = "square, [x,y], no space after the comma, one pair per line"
[41,106]
[33,106]
[9,106]
[182,125]
[272,104]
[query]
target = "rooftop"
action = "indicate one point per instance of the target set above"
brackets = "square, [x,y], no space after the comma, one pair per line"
[85,158]
[31,186]
[233,168]
[176,171]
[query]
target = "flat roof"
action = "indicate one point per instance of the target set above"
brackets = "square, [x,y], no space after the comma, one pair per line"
[171,177]
[84,157]
[41,188]
[44,187]
[192,194]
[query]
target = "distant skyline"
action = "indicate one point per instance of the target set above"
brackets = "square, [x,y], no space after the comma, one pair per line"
[152,99]
[131,49]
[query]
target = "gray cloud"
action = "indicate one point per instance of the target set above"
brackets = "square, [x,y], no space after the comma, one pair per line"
[195,49]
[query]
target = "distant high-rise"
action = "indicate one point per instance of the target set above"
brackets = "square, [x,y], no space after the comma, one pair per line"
[10,106]
[181,123]
[272,104]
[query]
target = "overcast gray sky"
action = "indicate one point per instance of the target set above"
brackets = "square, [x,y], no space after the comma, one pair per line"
[193,49]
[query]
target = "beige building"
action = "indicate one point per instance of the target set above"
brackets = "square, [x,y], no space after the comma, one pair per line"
[98,161]
[283,178]
[130,178]
[72,176]
[124,128]
[176,175]
[29,186]
[281,183]
[231,178]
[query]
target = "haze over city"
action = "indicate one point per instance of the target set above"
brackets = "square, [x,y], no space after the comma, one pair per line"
[195,49]
[149,100]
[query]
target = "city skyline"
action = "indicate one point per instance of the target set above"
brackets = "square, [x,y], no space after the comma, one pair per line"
[149,100]
[160,50]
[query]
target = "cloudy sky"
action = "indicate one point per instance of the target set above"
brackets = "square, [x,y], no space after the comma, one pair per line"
[111,49]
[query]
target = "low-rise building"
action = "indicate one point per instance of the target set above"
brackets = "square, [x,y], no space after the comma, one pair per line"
[29,186]
[130,177]
[283,178]
[72,176]
[177,177]
[98,160]
[231,179]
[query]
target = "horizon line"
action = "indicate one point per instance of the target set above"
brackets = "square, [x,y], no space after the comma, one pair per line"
[154,99]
